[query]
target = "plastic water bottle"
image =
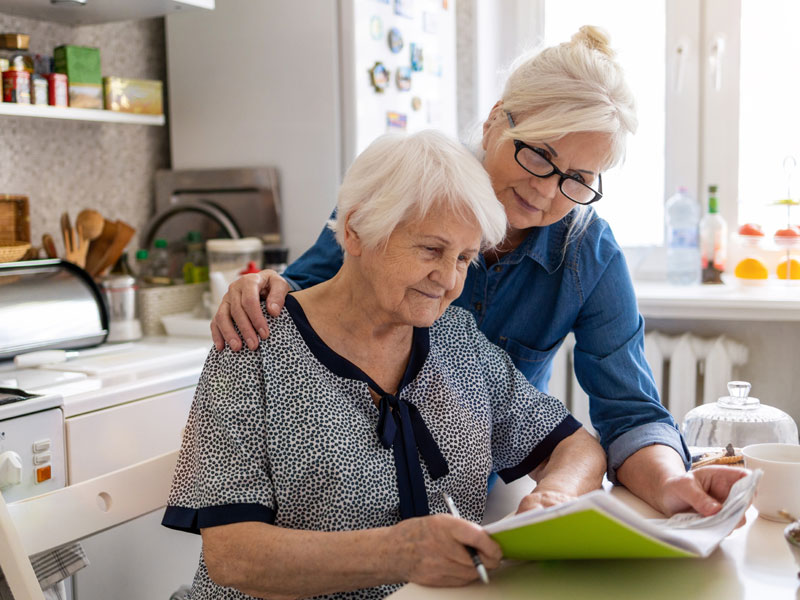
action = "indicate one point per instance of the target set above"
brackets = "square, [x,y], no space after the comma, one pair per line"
[159,264]
[683,244]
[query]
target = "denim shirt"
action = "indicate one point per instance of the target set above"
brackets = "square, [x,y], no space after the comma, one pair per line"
[530,299]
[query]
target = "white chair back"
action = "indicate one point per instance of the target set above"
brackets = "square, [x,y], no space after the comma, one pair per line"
[77,511]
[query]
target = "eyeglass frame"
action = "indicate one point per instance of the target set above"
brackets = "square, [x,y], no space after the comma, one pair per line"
[520,145]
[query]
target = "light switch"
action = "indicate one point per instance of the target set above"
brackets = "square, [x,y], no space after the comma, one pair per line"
[43,458]
[41,445]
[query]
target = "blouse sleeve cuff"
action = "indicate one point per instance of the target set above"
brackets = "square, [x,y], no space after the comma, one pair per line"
[542,450]
[192,520]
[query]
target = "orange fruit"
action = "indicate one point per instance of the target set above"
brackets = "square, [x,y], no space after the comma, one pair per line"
[794,269]
[751,268]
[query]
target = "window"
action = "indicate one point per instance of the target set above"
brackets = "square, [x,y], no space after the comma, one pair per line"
[637,32]
[769,114]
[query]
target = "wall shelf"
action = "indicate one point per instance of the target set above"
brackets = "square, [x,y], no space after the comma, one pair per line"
[78,114]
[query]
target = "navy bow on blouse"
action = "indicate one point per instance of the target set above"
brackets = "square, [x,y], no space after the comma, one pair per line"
[401,427]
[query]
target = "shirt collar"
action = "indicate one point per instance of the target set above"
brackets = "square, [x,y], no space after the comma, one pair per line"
[545,245]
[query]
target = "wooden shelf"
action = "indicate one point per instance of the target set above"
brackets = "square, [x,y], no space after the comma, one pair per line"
[78,114]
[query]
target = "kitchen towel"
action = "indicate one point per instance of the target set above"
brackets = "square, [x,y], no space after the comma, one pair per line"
[51,568]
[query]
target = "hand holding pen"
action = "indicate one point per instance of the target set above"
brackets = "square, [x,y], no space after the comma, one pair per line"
[476,560]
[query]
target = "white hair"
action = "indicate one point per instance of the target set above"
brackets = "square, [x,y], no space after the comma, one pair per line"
[573,87]
[400,178]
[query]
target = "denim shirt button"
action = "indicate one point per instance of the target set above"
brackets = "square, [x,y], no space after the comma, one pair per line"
[498,268]
[478,306]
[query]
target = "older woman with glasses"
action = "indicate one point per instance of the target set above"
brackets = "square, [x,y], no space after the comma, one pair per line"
[317,464]
[563,119]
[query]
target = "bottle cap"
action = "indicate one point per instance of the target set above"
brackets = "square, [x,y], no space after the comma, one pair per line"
[160,243]
[194,236]
[141,254]
[251,268]
[712,189]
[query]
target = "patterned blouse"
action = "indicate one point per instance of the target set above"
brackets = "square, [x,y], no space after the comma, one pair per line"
[289,435]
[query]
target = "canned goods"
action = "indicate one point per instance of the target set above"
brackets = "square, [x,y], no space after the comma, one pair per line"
[39,90]
[57,84]
[17,87]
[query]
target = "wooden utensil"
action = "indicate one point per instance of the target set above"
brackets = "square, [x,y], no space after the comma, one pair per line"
[49,246]
[124,234]
[75,245]
[99,247]
[92,223]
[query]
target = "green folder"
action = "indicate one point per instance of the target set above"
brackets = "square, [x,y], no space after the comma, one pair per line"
[599,525]
[588,533]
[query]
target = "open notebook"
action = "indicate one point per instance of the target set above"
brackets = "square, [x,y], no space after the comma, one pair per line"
[598,525]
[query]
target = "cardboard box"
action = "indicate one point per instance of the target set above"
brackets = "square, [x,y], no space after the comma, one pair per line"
[140,96]
[81,65]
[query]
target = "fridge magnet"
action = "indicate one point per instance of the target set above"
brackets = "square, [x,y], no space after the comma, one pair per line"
[404,8]
[395,120]
[416,57]
[430,23]
[395,40]
[416,103]
[376,27]
[403,78]
[379,76]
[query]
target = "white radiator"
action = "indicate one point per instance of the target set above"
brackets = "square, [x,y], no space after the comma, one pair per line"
[688,370]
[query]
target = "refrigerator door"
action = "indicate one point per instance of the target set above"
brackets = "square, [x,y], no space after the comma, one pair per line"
[414,45]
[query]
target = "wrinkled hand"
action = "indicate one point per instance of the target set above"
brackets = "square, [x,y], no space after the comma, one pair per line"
[431,550]
[543,499]
[701,490]
[242,304]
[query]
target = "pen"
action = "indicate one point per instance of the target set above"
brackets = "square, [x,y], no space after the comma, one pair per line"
[476,560]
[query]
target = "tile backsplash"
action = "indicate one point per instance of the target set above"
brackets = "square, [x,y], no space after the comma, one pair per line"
[72,165]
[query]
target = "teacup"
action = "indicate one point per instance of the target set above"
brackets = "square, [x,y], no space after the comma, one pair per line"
[779,488]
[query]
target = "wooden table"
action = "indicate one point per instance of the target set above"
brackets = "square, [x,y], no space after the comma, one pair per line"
[753,563]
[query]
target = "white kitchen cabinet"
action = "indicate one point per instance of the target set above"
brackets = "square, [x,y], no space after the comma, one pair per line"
[99,11]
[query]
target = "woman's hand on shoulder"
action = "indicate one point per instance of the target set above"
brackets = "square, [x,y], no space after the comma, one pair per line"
[241,304]
[432,550]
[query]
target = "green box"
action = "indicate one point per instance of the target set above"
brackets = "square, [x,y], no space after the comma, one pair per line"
[81,65]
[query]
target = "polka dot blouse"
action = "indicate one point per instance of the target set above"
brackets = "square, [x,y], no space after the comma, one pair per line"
[289,435]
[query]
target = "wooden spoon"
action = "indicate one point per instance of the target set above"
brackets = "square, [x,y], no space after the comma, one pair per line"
[49,246]
[92,223]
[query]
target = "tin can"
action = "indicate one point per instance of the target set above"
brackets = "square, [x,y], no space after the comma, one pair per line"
[57,84]
[39,89]
[17,87]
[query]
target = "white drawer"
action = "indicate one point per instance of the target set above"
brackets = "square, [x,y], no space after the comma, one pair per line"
[117,437]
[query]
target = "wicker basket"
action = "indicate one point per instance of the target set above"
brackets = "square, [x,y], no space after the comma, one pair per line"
[14,219]
[11,251]
[155,302]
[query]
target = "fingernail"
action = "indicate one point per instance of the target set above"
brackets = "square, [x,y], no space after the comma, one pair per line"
[273,307]
[263,333]
[233,343]
[252,344]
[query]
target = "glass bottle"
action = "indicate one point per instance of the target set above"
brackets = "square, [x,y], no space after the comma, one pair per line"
[713,240]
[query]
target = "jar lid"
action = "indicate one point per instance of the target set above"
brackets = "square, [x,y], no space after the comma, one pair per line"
[248,244]
[118,281]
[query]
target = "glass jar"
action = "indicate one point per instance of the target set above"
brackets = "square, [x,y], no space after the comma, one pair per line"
[738,419]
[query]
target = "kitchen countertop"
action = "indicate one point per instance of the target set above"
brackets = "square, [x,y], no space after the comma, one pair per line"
[733,300]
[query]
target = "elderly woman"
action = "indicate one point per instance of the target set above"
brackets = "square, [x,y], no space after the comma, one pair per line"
[315,464]
[562,121]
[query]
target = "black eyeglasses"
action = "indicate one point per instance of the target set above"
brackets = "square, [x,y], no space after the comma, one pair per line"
[534,161]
